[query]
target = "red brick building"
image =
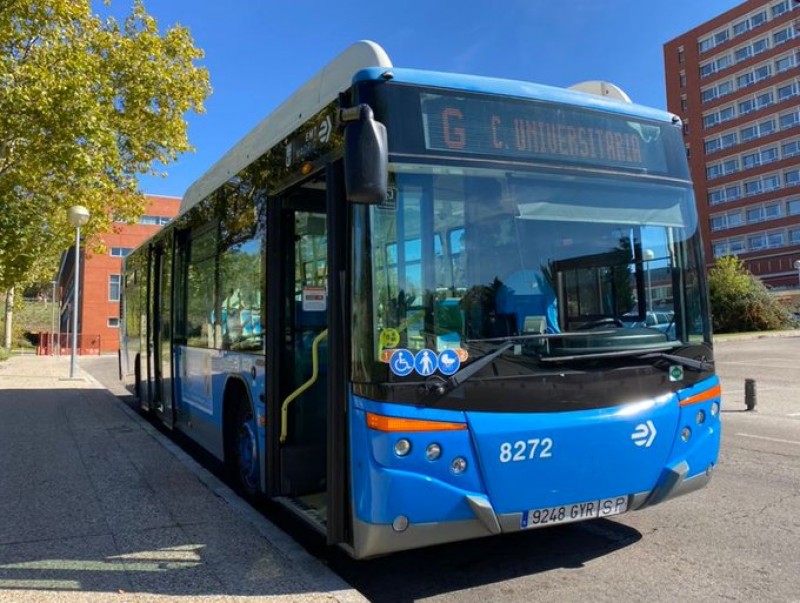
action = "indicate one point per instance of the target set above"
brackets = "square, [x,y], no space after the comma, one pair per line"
[735,81]
[100,279]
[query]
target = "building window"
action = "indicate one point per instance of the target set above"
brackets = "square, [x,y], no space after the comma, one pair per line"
[728,140]
[154,220]
[764,100]
[120,252]
[792,178]
[113,322]
[758,19]
[775,239]
[742,54]
[784,64]
[681,56]
[791,149]
[113,287]
[760,46]
[789,120]
[784,35]
[684,104]
[756,242]
[766,127]
[793,207]
[741,27]
[794,236]
[780,8]
[786,92]
[712,145]
[682,80]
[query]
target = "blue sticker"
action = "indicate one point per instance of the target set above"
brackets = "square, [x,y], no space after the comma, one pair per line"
[449,362]
[402,362]
[426,362]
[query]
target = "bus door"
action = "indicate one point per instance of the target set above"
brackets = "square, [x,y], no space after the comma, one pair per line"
[300,396]
[160,331]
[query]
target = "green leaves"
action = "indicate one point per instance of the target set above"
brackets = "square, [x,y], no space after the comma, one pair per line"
[740,301]
[86,106]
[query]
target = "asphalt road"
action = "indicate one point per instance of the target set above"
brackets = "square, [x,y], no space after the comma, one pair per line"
[736,540]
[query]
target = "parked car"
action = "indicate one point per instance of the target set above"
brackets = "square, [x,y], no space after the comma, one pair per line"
[663,321]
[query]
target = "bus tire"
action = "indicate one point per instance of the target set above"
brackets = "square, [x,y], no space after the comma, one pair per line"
[241,443]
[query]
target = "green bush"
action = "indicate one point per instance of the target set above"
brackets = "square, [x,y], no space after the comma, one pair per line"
[741,302]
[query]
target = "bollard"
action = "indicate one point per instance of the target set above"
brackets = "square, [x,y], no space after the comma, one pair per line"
[750,393]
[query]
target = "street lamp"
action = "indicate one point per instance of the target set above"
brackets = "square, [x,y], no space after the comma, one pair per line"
[77,216]
[53,319]
[648,255]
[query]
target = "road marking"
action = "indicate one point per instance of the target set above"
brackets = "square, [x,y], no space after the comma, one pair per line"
[758,437]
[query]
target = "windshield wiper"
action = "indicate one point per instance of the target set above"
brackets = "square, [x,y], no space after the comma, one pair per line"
[651,353]
[440,386]
[700,365]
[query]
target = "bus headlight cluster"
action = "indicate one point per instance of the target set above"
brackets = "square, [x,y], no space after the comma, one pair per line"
[686,433]
[701,417]
[714,409]
[433,452]
[402,447]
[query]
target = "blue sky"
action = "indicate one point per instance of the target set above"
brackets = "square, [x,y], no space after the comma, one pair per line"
[259,51]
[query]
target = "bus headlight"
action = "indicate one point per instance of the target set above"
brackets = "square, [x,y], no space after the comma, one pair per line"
[686,433]
[402,447]
[459,465]
[714,409]
[433,452]
[701,417]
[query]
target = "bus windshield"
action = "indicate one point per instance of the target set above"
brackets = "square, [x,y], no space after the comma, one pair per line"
[563,265]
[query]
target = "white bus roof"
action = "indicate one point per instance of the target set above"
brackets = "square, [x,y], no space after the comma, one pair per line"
[311,98]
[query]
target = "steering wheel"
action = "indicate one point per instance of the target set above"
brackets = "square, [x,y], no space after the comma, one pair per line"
[602,322]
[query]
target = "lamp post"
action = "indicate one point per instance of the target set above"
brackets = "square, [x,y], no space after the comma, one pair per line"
[648,255]
[77,216]
[797,267]
[53,319]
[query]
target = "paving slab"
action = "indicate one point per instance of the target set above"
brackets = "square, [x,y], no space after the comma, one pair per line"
[97,505]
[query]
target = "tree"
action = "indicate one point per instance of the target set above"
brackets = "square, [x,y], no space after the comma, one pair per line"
[740,301]
[86,106]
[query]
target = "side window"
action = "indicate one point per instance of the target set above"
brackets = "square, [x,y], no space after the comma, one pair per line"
[241,282]
[202,326]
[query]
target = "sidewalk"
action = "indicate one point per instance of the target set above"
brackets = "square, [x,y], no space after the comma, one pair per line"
[97,505]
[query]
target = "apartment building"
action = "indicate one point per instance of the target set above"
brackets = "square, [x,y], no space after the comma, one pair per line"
[735,82]
[101,278]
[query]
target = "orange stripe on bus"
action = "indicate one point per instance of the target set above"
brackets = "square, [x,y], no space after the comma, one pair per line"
[383,423]
[714,392]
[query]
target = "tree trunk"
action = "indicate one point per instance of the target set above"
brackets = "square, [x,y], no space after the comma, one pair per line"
[9,318]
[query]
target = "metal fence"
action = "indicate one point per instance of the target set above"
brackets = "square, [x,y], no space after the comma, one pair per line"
[60,344]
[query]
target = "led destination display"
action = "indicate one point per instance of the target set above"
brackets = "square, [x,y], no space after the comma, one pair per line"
[536,131]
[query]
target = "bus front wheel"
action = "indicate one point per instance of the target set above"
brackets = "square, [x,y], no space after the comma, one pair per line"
[242,449]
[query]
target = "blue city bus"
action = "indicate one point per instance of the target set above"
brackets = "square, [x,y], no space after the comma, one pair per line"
[412,308]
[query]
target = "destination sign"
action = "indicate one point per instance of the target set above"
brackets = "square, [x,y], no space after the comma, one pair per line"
[534,131]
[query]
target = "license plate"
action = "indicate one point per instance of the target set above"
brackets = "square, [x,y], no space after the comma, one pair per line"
[605,507]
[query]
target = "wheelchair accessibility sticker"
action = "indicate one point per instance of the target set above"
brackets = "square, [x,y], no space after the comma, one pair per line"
[401,362]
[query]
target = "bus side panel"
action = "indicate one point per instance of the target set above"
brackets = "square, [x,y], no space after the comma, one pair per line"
[200,379]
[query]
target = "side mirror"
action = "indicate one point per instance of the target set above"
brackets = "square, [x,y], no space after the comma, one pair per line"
[366,156]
